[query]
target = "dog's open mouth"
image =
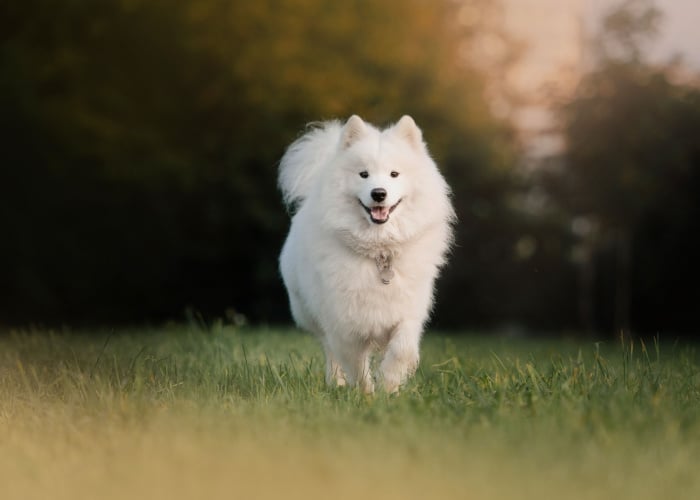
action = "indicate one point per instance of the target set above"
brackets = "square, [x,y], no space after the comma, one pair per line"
[379,214]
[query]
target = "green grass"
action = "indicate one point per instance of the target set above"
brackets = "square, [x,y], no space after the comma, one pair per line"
[188,412]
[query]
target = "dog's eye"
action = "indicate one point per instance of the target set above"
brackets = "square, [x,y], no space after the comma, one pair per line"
[364,174]
[394,173]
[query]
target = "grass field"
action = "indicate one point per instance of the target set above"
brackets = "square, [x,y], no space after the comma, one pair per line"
[187,412]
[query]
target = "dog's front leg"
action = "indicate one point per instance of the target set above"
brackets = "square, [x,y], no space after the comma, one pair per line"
[354,357]
[334,372]
[401,357]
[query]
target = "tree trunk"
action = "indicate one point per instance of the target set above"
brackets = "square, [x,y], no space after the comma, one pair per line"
[586,303]
[623,263]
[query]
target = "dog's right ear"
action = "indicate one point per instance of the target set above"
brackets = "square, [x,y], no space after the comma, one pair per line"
[354,130]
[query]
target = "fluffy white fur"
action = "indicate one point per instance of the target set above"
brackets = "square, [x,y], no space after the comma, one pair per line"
[329,260]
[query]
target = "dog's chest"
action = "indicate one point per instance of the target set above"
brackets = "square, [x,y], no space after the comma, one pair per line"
[369,282]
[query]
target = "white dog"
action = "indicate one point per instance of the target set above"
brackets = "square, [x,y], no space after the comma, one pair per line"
[371,229]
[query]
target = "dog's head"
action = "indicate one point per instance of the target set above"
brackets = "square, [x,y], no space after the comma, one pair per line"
[380,167]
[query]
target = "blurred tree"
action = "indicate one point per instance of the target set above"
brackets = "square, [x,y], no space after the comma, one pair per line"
[141,137]
[630,153]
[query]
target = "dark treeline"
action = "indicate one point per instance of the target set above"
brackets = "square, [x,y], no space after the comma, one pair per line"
[140,141]
[631,178]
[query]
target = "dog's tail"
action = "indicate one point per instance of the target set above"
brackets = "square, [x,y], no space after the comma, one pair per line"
[304,159]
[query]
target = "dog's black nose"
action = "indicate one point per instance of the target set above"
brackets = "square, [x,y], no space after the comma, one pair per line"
[378,194]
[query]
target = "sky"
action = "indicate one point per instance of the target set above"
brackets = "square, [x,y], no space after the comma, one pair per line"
[553,31]
[679,29]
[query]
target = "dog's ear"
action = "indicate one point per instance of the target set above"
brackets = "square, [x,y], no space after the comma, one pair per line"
[407,129]
[354,130]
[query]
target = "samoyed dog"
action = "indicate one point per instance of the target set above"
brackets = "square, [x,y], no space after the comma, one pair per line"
[371,226]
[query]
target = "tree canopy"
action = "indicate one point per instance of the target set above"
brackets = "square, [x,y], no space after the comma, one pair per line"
[142,139]
[140,142]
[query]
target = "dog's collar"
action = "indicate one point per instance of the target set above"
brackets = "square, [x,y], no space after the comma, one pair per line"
[385,267]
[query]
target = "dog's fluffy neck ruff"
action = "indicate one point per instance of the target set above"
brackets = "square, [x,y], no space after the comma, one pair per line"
[372,246]
[383,256]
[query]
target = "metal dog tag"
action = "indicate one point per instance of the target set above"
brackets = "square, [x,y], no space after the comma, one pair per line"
[386,273]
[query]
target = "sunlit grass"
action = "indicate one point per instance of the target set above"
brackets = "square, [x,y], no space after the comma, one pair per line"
[189,412]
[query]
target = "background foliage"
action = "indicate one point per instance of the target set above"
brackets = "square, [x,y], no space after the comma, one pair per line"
[631,174]
[140,141]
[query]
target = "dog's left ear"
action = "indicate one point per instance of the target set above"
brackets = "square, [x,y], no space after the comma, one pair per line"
[407,129]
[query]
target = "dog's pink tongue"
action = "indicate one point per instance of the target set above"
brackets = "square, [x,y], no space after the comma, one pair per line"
[380,213]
